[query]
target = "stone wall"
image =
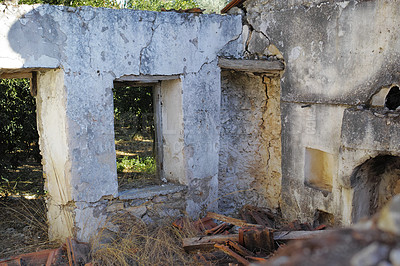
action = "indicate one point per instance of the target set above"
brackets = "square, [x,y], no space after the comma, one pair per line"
[249,162]
[84,50]
[338,55]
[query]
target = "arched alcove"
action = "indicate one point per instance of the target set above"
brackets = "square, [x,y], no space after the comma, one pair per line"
[374,183]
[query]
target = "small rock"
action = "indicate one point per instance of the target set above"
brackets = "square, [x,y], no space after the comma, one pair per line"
[117,206]
[137,211]
[10,231]
[177,195]
[393,115]
[379,115]
[159,199]
[371,255]
[395,257]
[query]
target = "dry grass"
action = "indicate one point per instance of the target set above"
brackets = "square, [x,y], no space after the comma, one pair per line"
[136,243]
[23,226]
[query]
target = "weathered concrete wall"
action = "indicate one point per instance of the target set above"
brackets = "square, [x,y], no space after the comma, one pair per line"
[338,54]
[91,47]
[249,162]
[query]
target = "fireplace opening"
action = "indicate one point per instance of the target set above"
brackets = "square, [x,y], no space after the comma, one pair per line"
[374,183]
[392,100]
[323,218]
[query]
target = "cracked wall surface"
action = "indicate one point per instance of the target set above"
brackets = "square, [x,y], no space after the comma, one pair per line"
[338,54]
[250,154]
[90,47]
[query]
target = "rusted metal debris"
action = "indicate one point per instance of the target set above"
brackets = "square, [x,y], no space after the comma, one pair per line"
[251,240]
[195,10]
[72,253]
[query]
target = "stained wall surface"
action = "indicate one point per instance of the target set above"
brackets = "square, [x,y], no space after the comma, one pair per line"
[338,55]
[250,154]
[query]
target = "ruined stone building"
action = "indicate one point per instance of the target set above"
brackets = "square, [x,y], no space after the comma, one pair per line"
[275,104]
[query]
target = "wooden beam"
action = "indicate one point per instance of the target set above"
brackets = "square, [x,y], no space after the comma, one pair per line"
[34,84]
[254,66]
[207,242]
[295,235]
[20,75]
[146,79]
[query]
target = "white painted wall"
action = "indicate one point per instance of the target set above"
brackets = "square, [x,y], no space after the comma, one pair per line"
[172,131]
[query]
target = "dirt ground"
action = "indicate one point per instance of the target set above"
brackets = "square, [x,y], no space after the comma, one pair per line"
[130,144]
[23,226]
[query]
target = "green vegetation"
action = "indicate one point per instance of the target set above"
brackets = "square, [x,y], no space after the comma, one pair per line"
[157,5]
[153,5]
[19,139]
[146,165]
[133,108]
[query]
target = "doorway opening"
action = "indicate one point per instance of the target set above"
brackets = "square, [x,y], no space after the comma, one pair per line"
[23,212]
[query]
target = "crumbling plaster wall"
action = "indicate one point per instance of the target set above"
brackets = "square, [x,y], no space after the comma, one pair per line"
[338,54]
[250,154]
[91,47]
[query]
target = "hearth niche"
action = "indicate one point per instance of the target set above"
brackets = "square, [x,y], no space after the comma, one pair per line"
[374,183]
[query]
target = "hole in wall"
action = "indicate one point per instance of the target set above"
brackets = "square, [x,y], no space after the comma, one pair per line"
[318,170]
[374,183]
[392,100]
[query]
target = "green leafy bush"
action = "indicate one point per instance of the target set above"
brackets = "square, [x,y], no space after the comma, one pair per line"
[146,165]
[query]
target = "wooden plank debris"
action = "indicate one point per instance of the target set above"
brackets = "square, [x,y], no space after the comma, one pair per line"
[297,235]
[206,242]
[230,252]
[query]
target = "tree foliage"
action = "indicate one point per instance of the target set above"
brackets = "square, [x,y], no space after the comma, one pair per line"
[157,5]
[133,108]
[17,123]
[153,5]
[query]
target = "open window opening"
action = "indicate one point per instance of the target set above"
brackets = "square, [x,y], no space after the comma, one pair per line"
[23,212]
[392,100]
[148,131]
[374,183]
[135,141]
